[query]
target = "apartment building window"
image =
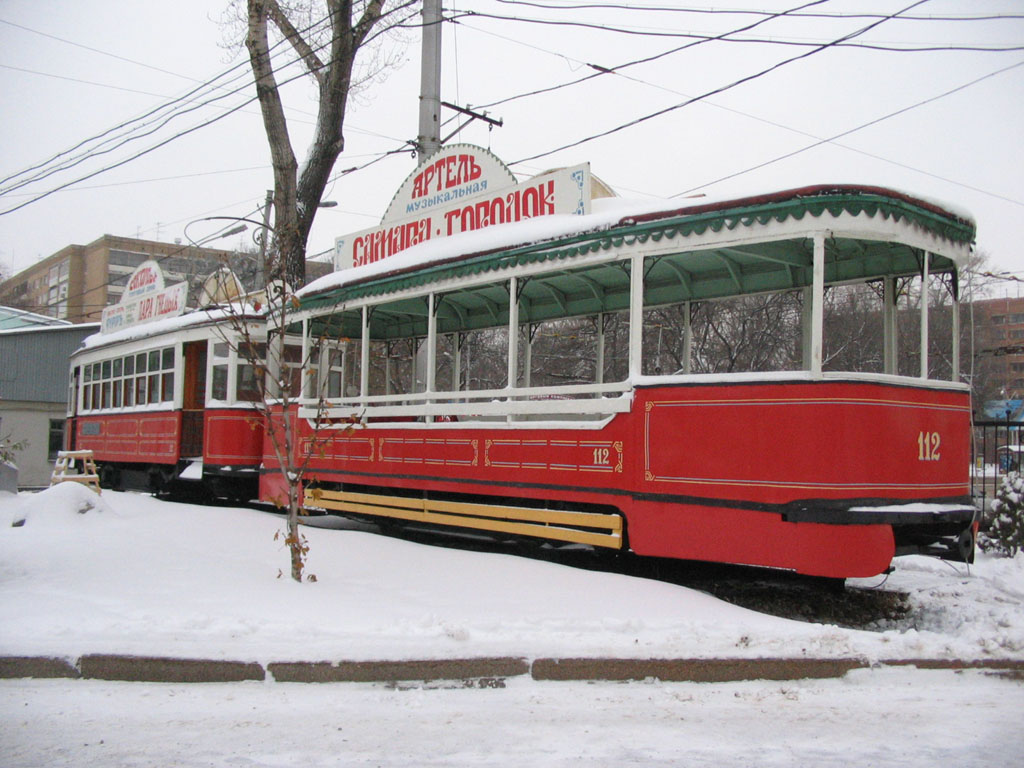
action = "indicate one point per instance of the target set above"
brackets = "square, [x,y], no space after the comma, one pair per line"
[57,296]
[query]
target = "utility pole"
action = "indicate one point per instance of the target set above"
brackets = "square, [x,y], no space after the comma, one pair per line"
[429,139]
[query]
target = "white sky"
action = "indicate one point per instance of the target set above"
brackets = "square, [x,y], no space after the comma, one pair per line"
[58,92]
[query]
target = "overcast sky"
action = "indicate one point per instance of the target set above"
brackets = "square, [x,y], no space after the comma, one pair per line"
[70,71]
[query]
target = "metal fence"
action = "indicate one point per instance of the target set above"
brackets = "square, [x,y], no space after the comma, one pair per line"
[997,447]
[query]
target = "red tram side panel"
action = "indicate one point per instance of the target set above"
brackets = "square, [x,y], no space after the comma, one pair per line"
[759,474]
[144,437]
[232,437]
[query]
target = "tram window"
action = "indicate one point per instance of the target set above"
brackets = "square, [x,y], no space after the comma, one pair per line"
[95,397]
[167,386]
[117,393]
[97,371]
[140,390]
[247,388]
[154,387]
[129,392]
[106,394]
[220,349]
[129,365]
[87,369]
[106,369]
[293,361]
[219,390]
[167,358]
[154,360]
[335,372]
[140,363]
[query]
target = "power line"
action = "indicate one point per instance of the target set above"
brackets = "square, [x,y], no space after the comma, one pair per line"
[875,122]
[641,32]
[185,132]
[740,11]
[176,106]
[718,90]
[766,121]
[599,70]
[97,50]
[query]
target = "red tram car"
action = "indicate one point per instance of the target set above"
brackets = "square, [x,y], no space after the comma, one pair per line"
[810,460]
[170,405]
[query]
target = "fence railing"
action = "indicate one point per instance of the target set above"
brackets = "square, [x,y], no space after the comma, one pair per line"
[997,447]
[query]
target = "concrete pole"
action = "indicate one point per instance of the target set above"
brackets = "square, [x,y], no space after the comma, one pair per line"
[429,139]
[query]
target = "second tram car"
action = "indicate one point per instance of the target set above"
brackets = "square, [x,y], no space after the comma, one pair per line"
[170,404]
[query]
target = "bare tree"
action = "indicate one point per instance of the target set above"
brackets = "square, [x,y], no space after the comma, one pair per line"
[327,49]
[326,40]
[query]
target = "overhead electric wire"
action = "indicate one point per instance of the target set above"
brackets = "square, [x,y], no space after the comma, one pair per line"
[128,136]
[875,121]
[746,11]
[640,32]
[601,70]
[766,121]
[100,51]
[714,91]
[185,132]
[178,111]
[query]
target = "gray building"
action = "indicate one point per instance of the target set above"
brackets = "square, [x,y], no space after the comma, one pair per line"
[34,386]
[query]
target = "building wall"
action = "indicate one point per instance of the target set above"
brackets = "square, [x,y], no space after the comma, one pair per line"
[34,364]
[999,344]
[32,422]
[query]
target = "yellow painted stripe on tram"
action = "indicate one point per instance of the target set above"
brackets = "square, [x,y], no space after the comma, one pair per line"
[543,523]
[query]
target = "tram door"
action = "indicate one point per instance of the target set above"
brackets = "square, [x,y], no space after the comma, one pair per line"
[194,399]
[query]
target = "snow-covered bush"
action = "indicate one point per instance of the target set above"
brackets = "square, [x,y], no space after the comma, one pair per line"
[1004,529]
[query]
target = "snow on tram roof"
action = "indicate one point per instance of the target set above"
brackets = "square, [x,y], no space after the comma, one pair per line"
[608,213]
[191,319]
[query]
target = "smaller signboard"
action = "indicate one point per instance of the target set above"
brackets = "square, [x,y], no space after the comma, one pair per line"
[144,299]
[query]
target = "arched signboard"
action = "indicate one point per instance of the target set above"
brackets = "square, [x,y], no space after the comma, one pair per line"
[462,188]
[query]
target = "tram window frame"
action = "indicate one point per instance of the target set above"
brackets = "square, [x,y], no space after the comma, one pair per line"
[219,369]
[247,387]
[219,383]
[293,363]
[86,401]
[153,366]
[167,359]
[129,381]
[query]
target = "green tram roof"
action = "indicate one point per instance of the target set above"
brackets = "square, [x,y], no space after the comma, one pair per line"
[700,252]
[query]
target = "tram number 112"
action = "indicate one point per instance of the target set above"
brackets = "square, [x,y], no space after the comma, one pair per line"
[928,446]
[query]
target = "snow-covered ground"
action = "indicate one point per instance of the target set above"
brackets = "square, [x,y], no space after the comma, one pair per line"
[136,575]
[126,573]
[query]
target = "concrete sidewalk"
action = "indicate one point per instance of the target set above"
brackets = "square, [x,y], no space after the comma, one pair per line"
[469,672]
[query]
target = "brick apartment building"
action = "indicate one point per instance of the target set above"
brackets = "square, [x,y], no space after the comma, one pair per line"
[999,345]
[78,281]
